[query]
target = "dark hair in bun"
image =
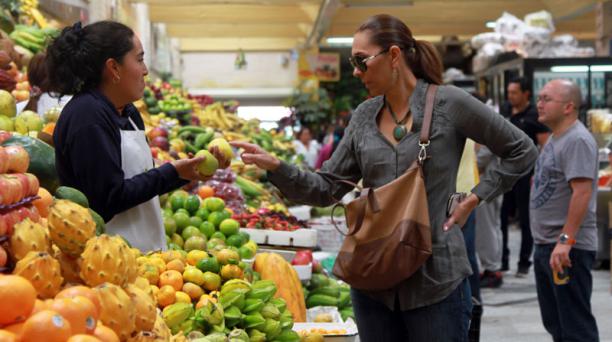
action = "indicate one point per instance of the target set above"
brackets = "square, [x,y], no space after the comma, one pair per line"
[75,59]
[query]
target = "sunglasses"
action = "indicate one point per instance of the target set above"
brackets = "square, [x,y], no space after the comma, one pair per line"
[359,62]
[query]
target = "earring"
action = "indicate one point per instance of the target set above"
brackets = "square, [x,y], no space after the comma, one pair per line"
[116,79]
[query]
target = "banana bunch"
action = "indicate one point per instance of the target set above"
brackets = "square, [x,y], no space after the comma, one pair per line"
[30,37]
[214,115]
[30,13]
[235,136]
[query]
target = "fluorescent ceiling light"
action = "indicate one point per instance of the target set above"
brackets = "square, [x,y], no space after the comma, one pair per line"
[263,113]
[340,40]
[601,67]
[491,24]
[570,68]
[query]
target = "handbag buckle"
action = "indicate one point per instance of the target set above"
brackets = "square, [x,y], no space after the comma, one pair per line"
[423,151]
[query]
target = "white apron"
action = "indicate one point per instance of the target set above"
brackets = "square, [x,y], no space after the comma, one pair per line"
[141,225]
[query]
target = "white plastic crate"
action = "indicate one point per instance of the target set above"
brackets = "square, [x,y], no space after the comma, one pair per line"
[304,271]
[329,238]
[349,336]
[301,212]
[297,238]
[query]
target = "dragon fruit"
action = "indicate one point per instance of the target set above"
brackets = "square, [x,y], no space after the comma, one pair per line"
[70,225]
[108,259]
[43,271]
[146,308]
[116,310]
[29,236]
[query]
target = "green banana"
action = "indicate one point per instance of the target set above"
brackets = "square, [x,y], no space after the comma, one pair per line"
[346,313]
[192,129]
[344,300]
[328,291]
[249,188]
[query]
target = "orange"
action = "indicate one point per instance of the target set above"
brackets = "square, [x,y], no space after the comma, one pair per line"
[170,255]
[48,326]
[7,336]
[206,191]
[49,128]
[172,278]
[16,329]
[18,297]
[181,297]
[166,296]
[105,334]
[44,202]
[39,306]
[193,290]
[79,311]
[83,338]
[84,291]
[176,265]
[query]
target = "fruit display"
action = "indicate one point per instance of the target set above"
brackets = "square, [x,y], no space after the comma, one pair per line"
[265,218]
[31,37]
[223,185]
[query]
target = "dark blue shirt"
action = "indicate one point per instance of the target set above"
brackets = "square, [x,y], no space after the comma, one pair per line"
[87,142]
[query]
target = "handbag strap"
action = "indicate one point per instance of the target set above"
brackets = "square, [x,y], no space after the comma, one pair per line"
[426,128]
[361,211]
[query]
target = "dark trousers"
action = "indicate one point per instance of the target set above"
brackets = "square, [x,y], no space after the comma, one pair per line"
[518,198]
[469,235]
[446,321]
[566,309]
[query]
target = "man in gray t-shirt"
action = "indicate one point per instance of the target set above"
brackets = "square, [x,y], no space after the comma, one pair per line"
[562,211]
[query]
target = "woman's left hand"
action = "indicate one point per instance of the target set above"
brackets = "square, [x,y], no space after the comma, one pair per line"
[462,212]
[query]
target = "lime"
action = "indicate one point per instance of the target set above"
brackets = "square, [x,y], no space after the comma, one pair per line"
[207,229]
[184,211]
[216,218]
[246,236]
[230,227]
[246,253]
[235,240]
[214,243]
[169,225]
[177,202]
[190,231]
[167,212]
[173,246]
[195,242]
[209,265]
[192,204]
[214,204]
[212,281]
[218,235]
[181,220]
[177,240]
[202,213]
[226,213]
[195,221]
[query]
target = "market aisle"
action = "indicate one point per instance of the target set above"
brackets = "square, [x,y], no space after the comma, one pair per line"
[511,313]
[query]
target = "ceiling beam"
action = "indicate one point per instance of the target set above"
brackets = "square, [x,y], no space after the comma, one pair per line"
[235,44]
[246,14]
[235,30]
[323,22]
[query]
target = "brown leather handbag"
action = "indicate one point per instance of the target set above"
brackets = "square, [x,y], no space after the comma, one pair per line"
[389,235]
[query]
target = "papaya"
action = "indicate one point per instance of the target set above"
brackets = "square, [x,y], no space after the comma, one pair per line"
[42,159]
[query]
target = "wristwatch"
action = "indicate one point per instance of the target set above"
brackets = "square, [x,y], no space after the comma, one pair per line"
[564,239]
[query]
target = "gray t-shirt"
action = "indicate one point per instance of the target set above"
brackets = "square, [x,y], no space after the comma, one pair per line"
[566,157]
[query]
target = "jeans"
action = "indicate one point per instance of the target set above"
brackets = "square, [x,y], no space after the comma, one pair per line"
[469,235]
[446,321]
[520,197]
[566,309]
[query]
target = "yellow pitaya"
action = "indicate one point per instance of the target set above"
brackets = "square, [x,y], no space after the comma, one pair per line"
[43,271]
[116,310]
[70,225]
[108,259]
[29,236]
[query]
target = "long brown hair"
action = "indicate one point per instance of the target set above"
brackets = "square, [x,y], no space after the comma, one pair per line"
[421,56]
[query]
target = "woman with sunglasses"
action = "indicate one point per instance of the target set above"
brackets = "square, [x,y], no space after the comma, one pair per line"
[380,143]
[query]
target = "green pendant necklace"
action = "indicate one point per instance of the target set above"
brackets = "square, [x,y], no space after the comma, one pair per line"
[400,130]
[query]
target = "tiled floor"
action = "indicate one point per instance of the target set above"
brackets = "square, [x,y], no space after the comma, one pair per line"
[511,313]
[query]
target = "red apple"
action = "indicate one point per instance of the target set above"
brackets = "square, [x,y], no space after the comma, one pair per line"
[4,191]
[10,189]
[4,160]
[158,132]
[3,225]
[33,183]
[25,184]
[4,135]
[161,142]
[19,160]
[11,218]
[154,152]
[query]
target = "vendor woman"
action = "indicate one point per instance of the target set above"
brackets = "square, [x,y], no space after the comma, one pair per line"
[100,145]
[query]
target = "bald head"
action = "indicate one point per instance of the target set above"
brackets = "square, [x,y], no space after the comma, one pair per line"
[568,91]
